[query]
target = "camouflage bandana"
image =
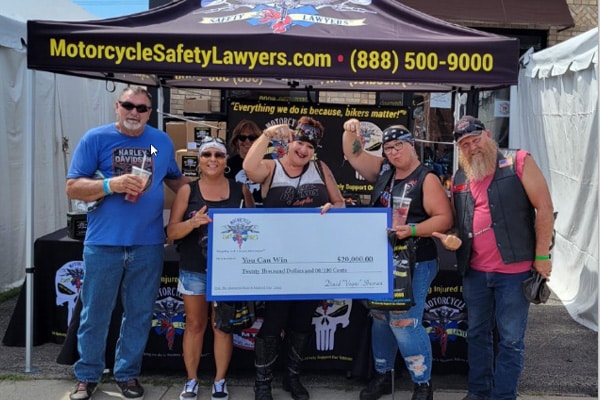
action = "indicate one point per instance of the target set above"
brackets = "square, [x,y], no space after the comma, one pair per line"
[308,133]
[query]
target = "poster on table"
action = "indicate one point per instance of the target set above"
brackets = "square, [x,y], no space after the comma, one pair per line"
[445,318]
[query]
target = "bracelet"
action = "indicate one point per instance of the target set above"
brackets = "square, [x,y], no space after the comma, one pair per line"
[106,187]
[542,258]
[413,230]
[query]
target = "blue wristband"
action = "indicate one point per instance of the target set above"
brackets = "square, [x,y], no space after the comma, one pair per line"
[106,187]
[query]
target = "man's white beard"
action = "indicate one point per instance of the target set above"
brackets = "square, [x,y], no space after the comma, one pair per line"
[481,165]
[132,126]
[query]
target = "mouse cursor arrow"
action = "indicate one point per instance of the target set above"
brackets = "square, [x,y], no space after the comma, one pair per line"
[153,150]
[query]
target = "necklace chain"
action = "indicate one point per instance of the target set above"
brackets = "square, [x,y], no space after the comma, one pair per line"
[482,231]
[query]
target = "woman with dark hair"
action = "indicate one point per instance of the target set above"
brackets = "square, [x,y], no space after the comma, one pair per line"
[294,180]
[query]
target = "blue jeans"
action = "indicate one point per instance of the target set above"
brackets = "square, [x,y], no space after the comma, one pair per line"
[134,273]
[191,283]
[403,330]
[495,300]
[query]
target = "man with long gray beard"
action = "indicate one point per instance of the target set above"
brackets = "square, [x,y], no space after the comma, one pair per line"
[504,217]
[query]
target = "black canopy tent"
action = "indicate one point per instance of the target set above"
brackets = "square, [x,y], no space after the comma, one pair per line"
[375,45]
[324,44]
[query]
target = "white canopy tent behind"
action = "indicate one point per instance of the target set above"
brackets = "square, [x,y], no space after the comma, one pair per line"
[558,123]
[63,106]
[39,113]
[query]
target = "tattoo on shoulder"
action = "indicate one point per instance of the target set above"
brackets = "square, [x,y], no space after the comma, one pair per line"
[356,147]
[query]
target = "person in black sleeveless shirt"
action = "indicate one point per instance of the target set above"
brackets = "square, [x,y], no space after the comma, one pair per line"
[399,173]
[242,137]
[294,180]
[188,227]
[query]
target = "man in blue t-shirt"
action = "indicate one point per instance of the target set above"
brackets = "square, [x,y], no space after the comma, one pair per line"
[121,166]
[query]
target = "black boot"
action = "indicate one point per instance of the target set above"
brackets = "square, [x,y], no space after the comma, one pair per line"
[297,343]
[422,391]
[266,351]
[378,386]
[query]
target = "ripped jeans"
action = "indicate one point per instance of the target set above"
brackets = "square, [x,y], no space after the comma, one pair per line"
[403,330]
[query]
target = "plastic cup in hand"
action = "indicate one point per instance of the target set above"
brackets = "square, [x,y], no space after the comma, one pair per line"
[400,206]
[145,175]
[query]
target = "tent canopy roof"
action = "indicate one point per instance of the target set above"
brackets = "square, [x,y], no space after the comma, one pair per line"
[337,44]
[575,54]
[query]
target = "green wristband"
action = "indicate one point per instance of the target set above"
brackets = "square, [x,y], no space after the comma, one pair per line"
[542,258]
[413,230]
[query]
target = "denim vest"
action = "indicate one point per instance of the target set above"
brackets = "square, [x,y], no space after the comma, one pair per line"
[513,216]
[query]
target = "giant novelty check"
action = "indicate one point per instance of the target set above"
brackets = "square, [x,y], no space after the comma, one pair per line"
[283,253]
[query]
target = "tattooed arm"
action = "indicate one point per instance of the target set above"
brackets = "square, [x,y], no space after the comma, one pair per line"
[364,163]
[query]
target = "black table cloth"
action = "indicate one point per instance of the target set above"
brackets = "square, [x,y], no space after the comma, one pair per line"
[342,326]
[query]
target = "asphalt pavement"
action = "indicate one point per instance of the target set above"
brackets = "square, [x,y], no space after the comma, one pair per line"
[561,363]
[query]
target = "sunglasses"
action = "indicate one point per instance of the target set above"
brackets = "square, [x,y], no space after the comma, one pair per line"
[243,138]
[209,154]
[208,139]
[141,108]
[472,128]
[397,146]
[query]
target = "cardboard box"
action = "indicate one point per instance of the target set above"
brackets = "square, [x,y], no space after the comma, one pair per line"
[193,146]
[177,132]
[223,130]
[196,131]
[195,105]
[188,162]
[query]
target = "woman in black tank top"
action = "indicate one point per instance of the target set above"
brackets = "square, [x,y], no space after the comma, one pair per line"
[400,173]
[188,227]
[294,180]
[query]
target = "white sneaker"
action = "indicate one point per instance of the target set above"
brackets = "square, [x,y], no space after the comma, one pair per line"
[190,390]
[219,390]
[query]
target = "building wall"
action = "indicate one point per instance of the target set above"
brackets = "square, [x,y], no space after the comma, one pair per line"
[585,16]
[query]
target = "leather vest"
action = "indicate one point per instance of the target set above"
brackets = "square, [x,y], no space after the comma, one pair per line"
[513,216]
[426,249]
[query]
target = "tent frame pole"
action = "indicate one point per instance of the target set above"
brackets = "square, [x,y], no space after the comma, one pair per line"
[159,101]
[29,154]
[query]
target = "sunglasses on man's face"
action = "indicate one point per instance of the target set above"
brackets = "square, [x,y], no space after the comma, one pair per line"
[243,138]
[141,108]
